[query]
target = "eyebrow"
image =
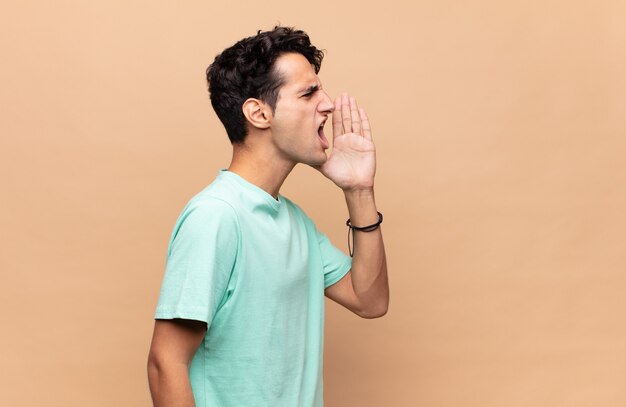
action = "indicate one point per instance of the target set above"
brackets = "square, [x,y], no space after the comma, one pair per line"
[310,89]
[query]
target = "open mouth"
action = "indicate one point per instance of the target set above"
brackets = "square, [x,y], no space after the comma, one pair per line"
[320,133]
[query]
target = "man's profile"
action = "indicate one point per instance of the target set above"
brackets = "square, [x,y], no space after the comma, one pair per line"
[240,316]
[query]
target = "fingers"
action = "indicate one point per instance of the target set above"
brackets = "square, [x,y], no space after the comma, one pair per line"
[346,118]
[365,124]
[337,126]
[349,118]
[355,117]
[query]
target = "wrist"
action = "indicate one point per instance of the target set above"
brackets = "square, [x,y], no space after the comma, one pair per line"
[361,206]
[359,193]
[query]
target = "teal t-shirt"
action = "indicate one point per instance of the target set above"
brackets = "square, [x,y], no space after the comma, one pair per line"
[254,268]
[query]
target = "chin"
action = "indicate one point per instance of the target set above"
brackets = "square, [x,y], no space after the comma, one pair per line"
[315,161]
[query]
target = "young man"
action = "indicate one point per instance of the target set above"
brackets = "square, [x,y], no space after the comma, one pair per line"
[240,318]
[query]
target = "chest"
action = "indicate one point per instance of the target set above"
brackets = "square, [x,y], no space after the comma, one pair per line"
[277,257]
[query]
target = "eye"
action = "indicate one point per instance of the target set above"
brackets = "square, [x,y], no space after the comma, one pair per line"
[311,91]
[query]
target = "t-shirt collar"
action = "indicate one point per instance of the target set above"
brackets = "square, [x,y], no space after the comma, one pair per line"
[261,193]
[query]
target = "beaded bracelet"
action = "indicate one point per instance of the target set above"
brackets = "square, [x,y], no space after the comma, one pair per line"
[369,228]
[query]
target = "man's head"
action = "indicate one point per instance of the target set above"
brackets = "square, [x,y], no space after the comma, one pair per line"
[248,70]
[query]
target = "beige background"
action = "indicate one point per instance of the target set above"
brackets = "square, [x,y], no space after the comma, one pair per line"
[500,133]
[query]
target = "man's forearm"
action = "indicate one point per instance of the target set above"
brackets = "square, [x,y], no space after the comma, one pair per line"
[369,264]
[170,385]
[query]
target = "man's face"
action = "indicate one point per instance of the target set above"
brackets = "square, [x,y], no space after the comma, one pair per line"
[302,108]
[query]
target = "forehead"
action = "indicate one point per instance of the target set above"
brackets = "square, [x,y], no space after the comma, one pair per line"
[296,70]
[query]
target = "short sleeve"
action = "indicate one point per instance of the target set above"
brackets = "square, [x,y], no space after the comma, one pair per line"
[336,263]
[200,259]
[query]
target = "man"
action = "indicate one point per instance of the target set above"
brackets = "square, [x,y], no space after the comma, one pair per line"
[240,318]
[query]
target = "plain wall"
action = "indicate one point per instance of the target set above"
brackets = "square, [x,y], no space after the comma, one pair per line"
[500,132]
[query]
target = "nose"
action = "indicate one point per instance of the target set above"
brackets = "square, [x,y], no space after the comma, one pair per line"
[326,105]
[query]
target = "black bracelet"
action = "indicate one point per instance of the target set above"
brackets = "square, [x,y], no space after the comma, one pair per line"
[369,228]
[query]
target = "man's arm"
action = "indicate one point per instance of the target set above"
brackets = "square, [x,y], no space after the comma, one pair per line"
[174,342]
[365,288]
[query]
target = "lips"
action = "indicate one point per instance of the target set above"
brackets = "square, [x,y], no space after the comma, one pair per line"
[320,133]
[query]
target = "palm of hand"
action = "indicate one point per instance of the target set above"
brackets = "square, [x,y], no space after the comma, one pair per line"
[352,162]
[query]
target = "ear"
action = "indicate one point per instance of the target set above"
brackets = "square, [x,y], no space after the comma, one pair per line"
[257,112]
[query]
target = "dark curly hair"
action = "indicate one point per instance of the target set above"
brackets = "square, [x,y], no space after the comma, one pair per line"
[246,70]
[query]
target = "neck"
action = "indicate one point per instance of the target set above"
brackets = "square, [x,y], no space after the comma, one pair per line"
[261,168]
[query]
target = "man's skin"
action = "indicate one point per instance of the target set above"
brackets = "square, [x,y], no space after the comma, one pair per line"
[275,143]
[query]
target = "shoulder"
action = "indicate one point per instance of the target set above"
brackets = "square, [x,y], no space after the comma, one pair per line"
[218,197]
[206,212]
[209,209]
[209,205]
